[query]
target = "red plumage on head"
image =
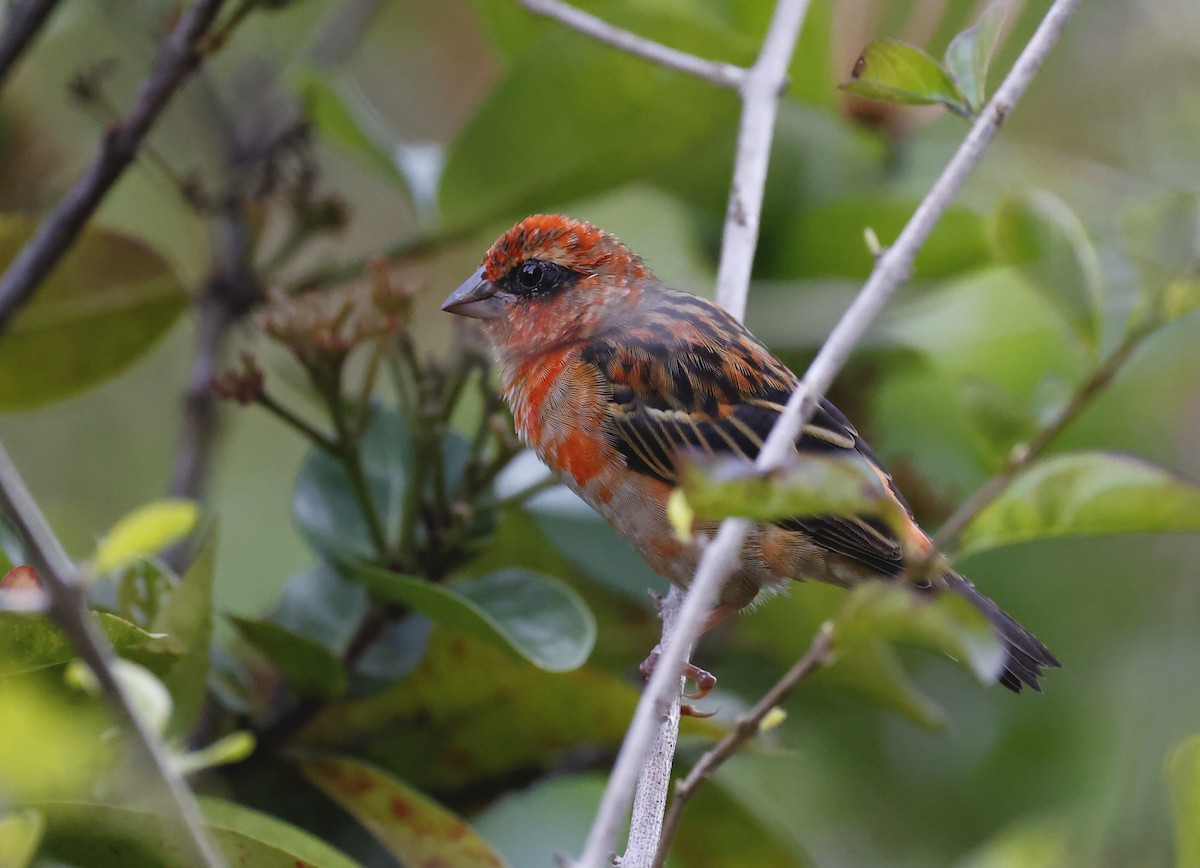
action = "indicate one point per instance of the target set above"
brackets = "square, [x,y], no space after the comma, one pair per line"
[572,243]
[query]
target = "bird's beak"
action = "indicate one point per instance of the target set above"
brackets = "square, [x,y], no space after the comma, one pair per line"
[475,298]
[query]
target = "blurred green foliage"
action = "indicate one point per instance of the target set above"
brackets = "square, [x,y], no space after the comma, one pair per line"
[412,632]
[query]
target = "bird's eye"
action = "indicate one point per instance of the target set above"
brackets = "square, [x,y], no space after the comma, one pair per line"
[530,275]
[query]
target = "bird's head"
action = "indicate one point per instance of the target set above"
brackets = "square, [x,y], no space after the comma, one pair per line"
[549,280]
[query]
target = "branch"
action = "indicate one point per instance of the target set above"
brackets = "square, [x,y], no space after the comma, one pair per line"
[24,22]
[67,607]
[179,56]
[747,726]
[712,71]
[760,105]
[1023,454]
[723,554]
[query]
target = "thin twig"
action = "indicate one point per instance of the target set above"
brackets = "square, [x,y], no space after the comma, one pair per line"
[746,727]
[722,556]
[760,94]
[179,56]
[24,22]
[68,609]
[712,71]
[1022,455]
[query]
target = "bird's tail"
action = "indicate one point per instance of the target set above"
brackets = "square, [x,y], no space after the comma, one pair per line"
[1027,657]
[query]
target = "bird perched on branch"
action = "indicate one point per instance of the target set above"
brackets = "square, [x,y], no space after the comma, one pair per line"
[611,377]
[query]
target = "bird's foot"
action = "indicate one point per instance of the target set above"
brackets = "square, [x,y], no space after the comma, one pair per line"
[704,680]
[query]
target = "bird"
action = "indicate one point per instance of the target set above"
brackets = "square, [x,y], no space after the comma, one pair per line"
[613,378]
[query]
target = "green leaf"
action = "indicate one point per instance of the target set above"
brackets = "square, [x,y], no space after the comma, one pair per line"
[29,642]
[52,745]
[893,71]
[1162,241]
[959,242]
[536,616]
[324,506]
[471,713]
[232,748]
[105,836]
[146,531]
[783,628]
[1042,236]
[312,668]
[946,623]
[20,834]
[998,420]
[186,619]
[970,53]
[1031,844]
[108,301]
[1085,494]
[322,605]
[413,827]
[148,697]
[615,118]
[1183,779]
[337,119]
[717,488]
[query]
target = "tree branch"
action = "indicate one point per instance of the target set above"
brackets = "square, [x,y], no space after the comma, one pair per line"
[712,71]
[747,726]
[722,556]
[67,607]
[760,94]
[179,56]
[24,22]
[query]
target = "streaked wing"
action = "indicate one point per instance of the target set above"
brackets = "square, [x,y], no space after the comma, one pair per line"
[685,375]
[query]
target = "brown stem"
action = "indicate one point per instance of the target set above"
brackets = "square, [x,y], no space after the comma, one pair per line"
[24,22]
[177,59]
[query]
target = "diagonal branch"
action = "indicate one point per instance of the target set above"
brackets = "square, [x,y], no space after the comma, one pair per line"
[723,554]
[67,607]
[24,22]
[712,71]
[181,53]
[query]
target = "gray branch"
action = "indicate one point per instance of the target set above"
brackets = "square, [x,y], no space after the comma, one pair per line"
[68,608]
[24,22]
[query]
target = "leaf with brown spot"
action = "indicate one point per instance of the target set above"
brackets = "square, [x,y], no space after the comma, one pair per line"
[413,827]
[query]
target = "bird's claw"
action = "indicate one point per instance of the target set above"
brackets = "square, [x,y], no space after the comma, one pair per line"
[687,710]
[705,681]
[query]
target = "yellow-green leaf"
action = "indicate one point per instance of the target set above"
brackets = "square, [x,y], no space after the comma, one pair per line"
[20,834]
[970,53]
[1085,494]
[896,72]
[146,531]
[1183,778]
[413,827]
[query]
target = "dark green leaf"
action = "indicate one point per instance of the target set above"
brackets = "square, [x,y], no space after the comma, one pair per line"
[538,617]
[999,421]
[1085,493]
[946,623]
[896,72]
[339,121]
[470,712]
[717,488]
[413,827]
[186,619]
[1042,236]
[513,157]
[20,834]
[1183,778]
[29,642]
[322,605]
[108,301]
[312,668]
[783,628]
[324,505]
[970,53]
[104,836]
